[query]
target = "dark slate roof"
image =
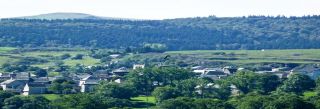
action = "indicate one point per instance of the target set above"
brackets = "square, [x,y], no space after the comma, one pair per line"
[37,84]
[41,79]
[101,72]
[122,69]
[307,69]
[216,72]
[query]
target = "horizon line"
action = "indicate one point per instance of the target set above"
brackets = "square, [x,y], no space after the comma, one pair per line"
[281,15]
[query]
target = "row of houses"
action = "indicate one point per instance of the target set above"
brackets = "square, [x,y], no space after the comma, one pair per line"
[312,71]
[25,83]
[214,73]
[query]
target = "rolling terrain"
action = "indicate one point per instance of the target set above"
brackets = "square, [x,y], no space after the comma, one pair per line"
[199,33]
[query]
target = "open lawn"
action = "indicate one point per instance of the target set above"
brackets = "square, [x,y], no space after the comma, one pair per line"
[309,94]
[52,53]
[255,56]
[6,49]
[194,56]
[144,102]
[51,56]
[51,97]
[4,58]
[148,99]
[85,61]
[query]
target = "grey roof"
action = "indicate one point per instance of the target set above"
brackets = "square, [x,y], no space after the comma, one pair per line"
[216,72]
[92,82]
[101,72]
[90,77]
[8,81]
[37,85]
[307,69]
[41,79]
[13,81]
[122,69]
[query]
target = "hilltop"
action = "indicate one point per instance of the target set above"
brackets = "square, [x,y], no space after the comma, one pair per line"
[199,33]
[66,15]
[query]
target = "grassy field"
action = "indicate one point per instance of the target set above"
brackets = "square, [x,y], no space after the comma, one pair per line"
[6,49]
[147,99]
[51,97]
[255,56]
[85,61]
[53,53]
[195,56]
[144,102]
[6,56]
[309,94]
[70,62]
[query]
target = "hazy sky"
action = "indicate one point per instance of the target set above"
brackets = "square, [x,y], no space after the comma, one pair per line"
[160,9]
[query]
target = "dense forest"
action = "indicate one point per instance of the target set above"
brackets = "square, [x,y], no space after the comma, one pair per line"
[253,32]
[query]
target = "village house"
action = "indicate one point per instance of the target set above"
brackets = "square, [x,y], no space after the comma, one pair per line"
[230,70]
[136,66]
[280,74]
[213,73]
[35,88]
[102,74]
[13,85]
[114,56]
[26,83]
[16,82]
[88,83]
[312,71]
[120,72]
[6,76]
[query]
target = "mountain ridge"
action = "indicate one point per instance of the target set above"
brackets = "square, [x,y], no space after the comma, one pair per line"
[203,33]
[68,15]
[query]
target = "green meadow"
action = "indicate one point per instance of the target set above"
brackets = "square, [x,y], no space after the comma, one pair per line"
[302,56]
[255,56]
[7,56]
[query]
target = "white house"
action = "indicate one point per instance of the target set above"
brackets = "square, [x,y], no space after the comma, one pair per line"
[213,73]
[136,66]
[13,85]
[34,88]
[87,84]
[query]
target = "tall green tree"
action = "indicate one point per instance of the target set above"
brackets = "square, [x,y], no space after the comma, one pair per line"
[297,83]
[115,90]
[244,81]
[4,95]
[28,102]
[164,93]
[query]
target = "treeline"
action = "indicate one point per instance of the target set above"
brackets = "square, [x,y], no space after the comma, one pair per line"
[254,32]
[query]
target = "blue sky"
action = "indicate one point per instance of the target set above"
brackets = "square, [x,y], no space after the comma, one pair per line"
[161,9]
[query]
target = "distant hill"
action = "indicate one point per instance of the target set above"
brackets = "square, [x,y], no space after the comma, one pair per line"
[200,33]
[63,15]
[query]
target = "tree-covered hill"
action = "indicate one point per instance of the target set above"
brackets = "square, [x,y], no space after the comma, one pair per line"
[254,32]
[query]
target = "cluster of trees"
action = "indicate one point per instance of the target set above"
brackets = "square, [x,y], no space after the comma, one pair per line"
[254,32]
[177,88]
[18,67]
[256,91]
[63,86]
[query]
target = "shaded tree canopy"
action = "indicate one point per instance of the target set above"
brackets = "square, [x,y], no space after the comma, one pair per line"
[253,32]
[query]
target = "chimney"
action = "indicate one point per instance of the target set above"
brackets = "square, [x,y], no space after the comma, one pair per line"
[29,75]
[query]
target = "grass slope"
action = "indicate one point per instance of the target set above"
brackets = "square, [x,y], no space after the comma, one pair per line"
[255,56]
